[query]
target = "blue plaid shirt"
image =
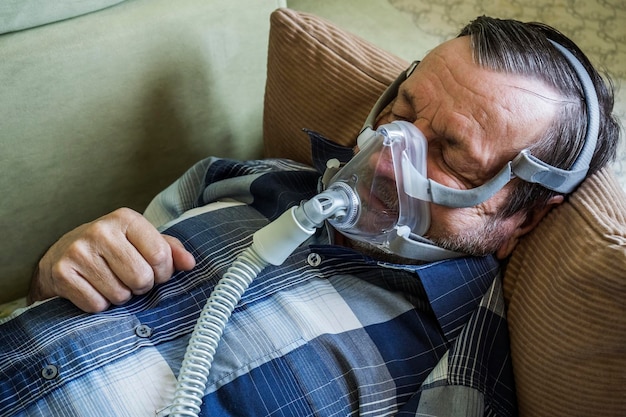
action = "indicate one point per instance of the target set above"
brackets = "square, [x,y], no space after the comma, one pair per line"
[328,333]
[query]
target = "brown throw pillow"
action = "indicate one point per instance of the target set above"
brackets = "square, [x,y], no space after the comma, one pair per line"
[322,78]
[565,288]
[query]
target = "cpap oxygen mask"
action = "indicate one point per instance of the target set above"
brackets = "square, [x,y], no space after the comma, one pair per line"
[377,178]
[383,180]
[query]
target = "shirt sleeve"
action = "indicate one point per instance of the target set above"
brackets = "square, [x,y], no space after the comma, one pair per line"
[180,196]
[218,179]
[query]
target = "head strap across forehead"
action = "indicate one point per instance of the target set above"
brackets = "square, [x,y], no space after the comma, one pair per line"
[531,169]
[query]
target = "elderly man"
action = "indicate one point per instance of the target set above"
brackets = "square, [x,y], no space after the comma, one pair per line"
[348,323]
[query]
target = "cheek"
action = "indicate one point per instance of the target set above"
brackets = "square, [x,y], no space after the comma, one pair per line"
[381,164]
[447,222]
[438,173]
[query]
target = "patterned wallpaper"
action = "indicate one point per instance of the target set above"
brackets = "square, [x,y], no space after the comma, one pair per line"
[597,26]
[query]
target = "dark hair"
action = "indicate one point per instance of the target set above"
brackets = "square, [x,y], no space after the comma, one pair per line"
[522,48]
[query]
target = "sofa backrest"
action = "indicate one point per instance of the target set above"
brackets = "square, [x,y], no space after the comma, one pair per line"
[102,107]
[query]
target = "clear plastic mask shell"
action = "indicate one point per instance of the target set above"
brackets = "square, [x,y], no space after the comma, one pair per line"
[377,177]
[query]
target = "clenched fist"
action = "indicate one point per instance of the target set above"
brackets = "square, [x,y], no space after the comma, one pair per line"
[108,261]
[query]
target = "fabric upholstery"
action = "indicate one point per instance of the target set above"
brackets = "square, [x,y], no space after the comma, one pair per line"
[566,282]
[322,78]
[25,14]
[106,109]
[566,291]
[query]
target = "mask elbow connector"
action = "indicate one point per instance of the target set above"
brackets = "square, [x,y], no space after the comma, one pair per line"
[276,241]
[339,202]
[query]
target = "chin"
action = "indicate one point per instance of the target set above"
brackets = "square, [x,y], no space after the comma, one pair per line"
[379,254]
[478,241]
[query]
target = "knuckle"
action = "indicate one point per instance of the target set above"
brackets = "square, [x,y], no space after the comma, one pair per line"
[119,296]
[142,280]
[97,230]
[143,290]
[105,225]
[62,270]
[124,213]
[75,250]
[76,255]
[163,265]
[160,254]
[96,305]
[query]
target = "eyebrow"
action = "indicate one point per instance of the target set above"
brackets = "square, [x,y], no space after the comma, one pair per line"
[410,97]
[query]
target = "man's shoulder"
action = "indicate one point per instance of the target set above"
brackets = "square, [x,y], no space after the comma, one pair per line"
[213,179]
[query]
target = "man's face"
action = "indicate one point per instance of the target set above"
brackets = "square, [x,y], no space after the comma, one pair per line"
[475,121]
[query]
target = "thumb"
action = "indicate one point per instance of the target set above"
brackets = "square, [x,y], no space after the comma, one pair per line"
[182,258]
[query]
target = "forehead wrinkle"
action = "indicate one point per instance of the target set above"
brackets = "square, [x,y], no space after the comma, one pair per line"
[475,108]
[452,80]
[469,138]
[551,100]
[481,130]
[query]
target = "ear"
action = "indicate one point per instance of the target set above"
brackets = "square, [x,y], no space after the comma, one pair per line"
[525,225]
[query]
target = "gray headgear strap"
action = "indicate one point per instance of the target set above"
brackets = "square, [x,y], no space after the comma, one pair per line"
[531,169]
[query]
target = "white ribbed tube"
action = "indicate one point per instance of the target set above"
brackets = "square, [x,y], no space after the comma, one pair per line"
[207,333]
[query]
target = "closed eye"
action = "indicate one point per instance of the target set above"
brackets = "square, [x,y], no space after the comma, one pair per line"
[402,108]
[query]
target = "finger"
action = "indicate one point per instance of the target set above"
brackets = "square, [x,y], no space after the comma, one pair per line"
[153,248]
[134,250]
[72,285]
[129,267]
[84,271]
[183,259]
[110,262]
[86,298]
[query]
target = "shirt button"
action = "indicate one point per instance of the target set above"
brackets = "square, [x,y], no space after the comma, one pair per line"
[50,372]
[143,331]
[314,259]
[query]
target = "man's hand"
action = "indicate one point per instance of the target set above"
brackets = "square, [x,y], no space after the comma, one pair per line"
[107,261]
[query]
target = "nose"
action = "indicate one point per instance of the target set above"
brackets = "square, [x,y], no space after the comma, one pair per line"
[424,126]
[382,163]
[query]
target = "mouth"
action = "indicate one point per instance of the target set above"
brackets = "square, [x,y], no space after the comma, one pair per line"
[379,202]
[384,199]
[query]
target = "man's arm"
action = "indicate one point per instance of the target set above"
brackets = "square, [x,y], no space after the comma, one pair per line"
[107,261]
[122,254]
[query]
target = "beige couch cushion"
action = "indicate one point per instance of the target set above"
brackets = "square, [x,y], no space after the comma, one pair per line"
[24,14]
[566,283]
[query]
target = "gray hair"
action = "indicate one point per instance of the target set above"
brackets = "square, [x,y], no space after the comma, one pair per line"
[523,48]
